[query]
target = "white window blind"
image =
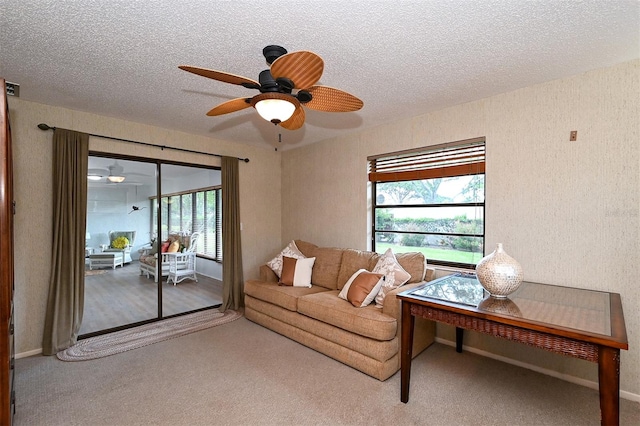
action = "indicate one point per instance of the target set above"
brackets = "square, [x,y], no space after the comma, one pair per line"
[437,161]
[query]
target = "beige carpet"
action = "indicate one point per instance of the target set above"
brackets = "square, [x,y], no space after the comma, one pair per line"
[243,374]
[137,337]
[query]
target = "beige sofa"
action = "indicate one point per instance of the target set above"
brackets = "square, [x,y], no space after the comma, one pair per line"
[367,339]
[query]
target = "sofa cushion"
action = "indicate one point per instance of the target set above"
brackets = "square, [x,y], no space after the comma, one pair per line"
[148,259]
[174,247]
[395,275]
[327,307]
[305,247]
[291,250]
[154,249]
[296,272]
[327,267]
[352,261]
[283,296]
[415,264]
[361,288]
[378,350]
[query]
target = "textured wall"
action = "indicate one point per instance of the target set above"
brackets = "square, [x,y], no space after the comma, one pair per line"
[568,211]
[259,193]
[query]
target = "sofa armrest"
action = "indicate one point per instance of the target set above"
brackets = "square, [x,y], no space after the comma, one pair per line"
[430,274]
[392,306]
[267,274]
[425,330]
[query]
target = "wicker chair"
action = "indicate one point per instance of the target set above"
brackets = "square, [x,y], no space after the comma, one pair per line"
[183,263]
[126,251]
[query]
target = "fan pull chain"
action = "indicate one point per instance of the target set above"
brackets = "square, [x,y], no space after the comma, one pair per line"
[279,140]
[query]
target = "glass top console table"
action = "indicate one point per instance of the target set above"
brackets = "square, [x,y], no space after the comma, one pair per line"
[581,323]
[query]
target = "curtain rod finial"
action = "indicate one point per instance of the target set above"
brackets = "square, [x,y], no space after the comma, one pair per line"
[43,126]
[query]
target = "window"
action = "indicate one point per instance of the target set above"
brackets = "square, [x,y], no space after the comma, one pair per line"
[431,200]
[199,210]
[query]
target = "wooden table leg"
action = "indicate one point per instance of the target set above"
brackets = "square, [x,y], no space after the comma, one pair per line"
[609,383]
[459,334]
[406,348]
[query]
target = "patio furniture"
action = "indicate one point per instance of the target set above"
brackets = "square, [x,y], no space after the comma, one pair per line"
[110,259]
[149,258]
[126,250]
[181,267]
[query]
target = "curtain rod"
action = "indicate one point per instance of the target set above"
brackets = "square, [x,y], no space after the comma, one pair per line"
[45,127]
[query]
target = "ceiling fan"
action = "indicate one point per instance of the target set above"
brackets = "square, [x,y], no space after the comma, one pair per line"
[285,87]
[114,173]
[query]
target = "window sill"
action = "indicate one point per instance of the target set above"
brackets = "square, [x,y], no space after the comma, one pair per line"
[442,270]
[202,256]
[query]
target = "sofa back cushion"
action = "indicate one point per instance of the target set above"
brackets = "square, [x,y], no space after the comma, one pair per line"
[305,247]
[334,266]
[414,263]
[352,261]
[327,267]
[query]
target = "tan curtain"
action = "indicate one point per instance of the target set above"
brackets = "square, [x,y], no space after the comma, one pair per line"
[66,285]
[232,276]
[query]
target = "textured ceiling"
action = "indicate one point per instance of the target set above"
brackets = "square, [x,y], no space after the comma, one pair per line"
[402,58]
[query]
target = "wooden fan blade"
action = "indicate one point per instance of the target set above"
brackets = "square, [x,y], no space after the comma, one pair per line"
[296,121]
[332,100]
[303,68]
[230,106]
[222,76]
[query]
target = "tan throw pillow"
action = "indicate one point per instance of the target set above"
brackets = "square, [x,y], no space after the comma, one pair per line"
[296,272]
[395,275]
[174,247]
[361,288]
[290,251]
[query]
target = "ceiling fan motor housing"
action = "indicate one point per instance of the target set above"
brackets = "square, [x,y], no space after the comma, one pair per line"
[273,52]
[304,96]
[267,82]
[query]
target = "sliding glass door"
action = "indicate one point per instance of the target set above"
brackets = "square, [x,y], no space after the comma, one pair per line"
[118,229]
[190,213]
[149,254]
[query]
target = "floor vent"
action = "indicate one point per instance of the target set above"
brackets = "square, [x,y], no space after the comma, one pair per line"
[13,89]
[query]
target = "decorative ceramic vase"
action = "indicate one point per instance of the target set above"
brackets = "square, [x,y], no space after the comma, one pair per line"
[499,273]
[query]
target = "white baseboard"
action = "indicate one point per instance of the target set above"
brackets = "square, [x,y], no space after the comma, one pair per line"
[572,379]
[208,276]
[29,353]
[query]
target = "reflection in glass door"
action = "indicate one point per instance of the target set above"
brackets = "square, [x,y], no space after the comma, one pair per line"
[190,224]
[118,232]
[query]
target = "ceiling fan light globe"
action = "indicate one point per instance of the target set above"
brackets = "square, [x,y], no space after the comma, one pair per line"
[275,110]
[116,179]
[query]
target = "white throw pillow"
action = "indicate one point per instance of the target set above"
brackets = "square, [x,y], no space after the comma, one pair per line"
[361,288]
[297,272]
[290,251]
[395,275]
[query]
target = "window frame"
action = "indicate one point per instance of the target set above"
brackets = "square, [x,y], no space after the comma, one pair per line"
[427,163]
[217,193]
